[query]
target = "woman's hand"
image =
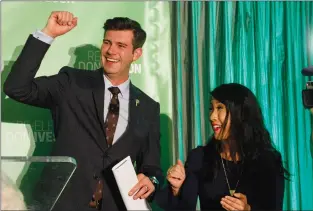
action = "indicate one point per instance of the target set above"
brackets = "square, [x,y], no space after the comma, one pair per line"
[239,202]
[176,177]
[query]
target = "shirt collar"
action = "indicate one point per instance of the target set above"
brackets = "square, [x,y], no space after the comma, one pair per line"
[124,87]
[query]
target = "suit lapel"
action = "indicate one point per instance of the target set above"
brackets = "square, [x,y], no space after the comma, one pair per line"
[134,105]
[98,96]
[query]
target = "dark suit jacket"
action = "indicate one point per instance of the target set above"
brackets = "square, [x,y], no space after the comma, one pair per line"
[261,181]
[76,100]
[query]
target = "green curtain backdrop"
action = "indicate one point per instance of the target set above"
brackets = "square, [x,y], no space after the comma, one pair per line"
[263,45]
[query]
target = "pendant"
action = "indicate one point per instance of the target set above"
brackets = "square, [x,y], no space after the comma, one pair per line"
[232,192]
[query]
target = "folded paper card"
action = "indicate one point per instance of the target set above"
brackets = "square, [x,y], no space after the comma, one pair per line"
[126,179]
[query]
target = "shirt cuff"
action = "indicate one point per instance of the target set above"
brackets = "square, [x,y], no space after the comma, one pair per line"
[43,37]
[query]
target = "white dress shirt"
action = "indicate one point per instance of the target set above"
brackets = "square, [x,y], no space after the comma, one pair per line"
[123,98]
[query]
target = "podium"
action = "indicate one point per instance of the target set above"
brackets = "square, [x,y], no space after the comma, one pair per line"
[40,179]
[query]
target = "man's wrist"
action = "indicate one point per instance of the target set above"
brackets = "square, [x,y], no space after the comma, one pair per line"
[155,182]
[46,32]
[43,37]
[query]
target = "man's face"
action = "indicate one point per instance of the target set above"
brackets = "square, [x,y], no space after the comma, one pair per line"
[117,52]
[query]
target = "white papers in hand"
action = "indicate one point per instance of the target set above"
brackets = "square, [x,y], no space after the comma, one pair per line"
[126,179]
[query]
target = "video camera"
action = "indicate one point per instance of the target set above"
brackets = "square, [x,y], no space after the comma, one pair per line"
[307,94]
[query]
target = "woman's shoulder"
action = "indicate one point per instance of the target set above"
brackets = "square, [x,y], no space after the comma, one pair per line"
[200,155]
[194,158]
[270,157]
[195,154]
[268,161]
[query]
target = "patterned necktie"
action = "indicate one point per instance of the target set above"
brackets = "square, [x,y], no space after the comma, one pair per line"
[111,122]
[112,116]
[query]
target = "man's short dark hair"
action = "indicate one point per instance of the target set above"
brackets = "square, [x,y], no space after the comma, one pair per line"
[121,23]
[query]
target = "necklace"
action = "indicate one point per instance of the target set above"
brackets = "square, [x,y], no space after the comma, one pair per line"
[231,191]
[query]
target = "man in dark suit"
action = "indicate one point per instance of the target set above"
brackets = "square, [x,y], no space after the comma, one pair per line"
[99,116]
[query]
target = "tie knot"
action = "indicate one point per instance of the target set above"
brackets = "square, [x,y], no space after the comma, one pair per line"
[114,90]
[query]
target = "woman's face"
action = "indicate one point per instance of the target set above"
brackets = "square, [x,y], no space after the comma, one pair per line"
[218,117]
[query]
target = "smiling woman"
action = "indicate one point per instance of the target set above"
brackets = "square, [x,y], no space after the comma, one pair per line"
[220,119]
[239,169]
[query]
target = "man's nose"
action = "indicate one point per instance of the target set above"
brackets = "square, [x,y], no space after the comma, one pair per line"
[111,50]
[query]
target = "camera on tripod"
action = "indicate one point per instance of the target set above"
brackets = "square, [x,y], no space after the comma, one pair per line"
[307,94]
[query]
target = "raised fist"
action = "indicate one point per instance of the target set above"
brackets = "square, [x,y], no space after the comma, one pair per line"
[60,23]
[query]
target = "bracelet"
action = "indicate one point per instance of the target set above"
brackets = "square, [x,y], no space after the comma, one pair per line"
[155,182]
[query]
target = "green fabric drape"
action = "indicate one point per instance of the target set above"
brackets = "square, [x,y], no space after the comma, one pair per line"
[263,45]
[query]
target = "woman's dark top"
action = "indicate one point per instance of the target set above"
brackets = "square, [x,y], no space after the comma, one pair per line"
[260,179]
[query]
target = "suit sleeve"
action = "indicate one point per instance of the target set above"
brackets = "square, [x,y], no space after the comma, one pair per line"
[188,195]
[21,84]
[149,163]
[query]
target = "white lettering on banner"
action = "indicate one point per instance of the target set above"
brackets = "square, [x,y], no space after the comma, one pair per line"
[135,68]
[89,65]
[42,131]
[94,62]
[46,136]
[93,56]
[21,136]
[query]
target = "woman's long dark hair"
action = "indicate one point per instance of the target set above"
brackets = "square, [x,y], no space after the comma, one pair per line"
[248,135]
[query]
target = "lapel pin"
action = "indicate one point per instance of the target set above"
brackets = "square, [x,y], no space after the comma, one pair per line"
[137,102]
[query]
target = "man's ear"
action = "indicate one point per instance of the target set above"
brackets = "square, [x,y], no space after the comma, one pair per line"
[137,54]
